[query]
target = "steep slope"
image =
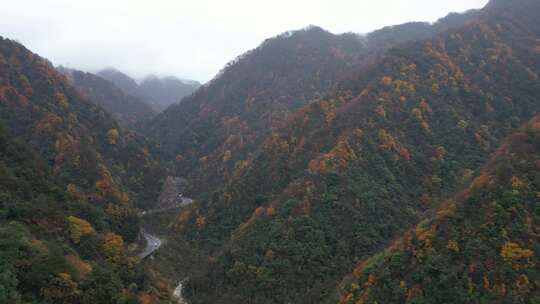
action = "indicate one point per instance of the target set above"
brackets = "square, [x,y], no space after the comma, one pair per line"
[223,124]
[126,109]
[349,172]
[480,247]
[254,93]
[163,92]
[56,246]
[78,139]
[69,182]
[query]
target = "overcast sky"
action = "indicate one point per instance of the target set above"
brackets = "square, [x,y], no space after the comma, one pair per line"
[190,39]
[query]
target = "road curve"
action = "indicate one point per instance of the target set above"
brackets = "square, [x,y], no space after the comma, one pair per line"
[152,244]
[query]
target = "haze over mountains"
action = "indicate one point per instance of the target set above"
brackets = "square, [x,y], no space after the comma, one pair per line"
[401,166]
[127,109]
[158,92]
[130,103]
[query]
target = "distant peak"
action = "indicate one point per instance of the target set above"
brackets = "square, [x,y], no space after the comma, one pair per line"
[310,29]
[512,4]
[314,28]
[110,70]
[151,77]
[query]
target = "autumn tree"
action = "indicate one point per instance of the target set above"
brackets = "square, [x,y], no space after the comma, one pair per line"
[113,247]
[79,228]
[112,136]
[62,290]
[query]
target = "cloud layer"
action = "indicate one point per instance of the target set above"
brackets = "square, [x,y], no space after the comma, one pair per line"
[191,39]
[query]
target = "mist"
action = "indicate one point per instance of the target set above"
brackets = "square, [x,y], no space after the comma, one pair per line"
[189,39]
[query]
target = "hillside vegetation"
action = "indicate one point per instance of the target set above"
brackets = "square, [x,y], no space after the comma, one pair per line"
[70,181]
[480,247]
[349,172]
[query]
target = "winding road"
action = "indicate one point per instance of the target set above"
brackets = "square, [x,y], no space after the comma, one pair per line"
[152,244]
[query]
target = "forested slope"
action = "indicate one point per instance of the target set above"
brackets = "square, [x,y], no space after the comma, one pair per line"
[351,171]
[222,126]
[70,181]
[480,247]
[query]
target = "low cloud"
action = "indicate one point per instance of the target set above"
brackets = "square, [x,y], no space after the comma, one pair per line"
[189,39]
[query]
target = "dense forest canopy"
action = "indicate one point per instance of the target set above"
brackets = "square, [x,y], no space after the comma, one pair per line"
[400,166]
[348,172]
[71,181]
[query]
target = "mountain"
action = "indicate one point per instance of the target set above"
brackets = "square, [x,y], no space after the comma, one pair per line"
[121,80]
[338,179]
[157,92]
[481,246]
[399,166]
[224,123]
[387,37]
[70,183]
[163,92]
[126,109]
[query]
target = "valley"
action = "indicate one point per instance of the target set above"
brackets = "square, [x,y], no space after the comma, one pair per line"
[397,166]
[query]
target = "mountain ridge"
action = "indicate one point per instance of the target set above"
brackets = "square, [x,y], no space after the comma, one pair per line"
[128,110]
[400,166]
[159,92]
[228,118]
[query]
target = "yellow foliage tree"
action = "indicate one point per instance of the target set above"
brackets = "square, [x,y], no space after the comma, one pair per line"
[62,100]
[517,183]
[337,158]
[112,136]
[113,247]
[388,142]
[512,251]
[453,246]
[79,228]
[107,186]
